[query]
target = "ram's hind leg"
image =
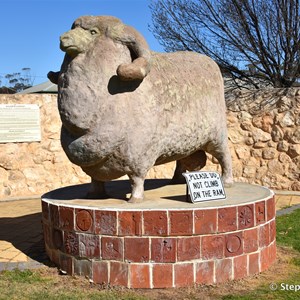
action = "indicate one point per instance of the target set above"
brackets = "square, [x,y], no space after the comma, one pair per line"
[97,190]
[193,162]
[222,153]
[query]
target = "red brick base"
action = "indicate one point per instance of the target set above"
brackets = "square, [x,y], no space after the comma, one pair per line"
[164,248]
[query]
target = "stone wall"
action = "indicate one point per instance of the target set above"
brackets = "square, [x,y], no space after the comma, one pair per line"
[28,169]
[264,134]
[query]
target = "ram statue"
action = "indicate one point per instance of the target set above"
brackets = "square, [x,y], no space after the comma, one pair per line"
[125,108]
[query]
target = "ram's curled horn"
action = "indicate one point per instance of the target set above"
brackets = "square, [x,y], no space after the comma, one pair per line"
[140,66]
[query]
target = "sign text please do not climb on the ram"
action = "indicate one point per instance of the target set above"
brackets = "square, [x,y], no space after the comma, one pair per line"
[204,186]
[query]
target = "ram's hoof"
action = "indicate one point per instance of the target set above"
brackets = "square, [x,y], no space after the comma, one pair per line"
[228,183]
[135,200]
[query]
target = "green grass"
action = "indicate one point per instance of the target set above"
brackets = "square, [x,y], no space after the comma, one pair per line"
[288,230]
[18,276]
[32,285]
[264,292]
[288,235]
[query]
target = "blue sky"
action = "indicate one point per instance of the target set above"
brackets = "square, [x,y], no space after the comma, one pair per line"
[30,30]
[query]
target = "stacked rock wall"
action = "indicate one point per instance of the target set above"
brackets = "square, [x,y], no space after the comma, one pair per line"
[30,169]
[264,137]
[264,133]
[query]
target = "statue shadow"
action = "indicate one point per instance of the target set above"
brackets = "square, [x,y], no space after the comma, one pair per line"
[179,198]
[117,189]
[25,233]
[117,86]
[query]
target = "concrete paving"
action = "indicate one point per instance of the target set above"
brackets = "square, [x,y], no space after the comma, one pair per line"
[21,238]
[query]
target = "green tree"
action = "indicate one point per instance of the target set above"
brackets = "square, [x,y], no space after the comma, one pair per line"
[255,42]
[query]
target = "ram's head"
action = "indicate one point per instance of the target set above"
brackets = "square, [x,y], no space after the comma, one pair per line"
[86,29]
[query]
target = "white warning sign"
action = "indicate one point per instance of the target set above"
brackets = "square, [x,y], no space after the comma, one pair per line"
[204,186]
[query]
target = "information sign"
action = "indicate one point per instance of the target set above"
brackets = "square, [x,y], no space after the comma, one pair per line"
[19,123]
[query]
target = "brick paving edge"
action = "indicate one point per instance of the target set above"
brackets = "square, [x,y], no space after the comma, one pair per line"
[34,197]
[287,210]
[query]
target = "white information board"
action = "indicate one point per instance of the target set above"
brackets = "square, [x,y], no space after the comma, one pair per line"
[19,123]
[204,186]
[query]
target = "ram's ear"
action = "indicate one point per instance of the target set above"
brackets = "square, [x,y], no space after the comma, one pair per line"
[53,77]
[140,52]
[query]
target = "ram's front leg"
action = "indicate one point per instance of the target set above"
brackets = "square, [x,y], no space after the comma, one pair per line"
[137,188]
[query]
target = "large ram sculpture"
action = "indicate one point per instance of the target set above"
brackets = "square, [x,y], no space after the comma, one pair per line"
[125,109]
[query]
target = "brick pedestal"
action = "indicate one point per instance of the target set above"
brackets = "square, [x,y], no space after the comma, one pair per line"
[169,245]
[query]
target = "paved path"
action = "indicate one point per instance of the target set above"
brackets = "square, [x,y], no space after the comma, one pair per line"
[21,238]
